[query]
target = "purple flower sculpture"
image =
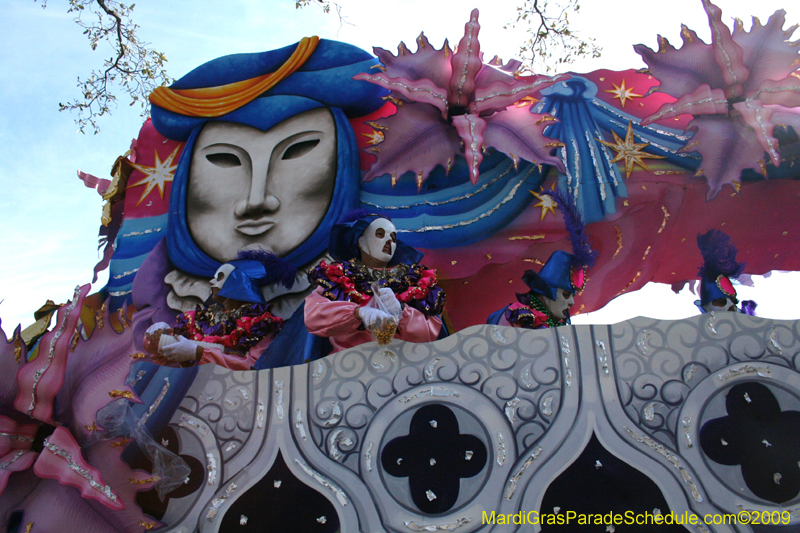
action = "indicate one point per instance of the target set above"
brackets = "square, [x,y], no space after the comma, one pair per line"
[452,104]
[739,88]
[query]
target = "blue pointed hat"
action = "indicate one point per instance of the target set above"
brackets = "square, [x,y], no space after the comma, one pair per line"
[559,272]
[719,266]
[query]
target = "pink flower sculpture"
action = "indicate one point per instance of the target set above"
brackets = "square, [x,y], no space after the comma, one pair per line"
[455,104]
[738,88]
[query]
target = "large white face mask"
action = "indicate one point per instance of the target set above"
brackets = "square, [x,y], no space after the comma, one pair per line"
[261,189]
[721,304]
[559,307]
[379,240]
[220,276]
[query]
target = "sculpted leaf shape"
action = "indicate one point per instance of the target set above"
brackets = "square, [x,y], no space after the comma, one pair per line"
[742,86]
[457,96]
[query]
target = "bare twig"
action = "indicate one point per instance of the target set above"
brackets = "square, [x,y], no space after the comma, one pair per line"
[134,68]
[551,44]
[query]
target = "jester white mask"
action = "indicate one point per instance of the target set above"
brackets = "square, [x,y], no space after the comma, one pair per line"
[559,307]
[220,276]
[379,240]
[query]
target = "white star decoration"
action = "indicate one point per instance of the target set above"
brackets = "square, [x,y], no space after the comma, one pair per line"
[157,175]
[546,202]
[623,93]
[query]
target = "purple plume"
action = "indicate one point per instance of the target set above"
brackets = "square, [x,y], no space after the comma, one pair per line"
[279,270]
[573,221]
[719,256]
[749,307]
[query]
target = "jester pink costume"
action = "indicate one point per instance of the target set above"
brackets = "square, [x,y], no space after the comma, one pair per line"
[339,307]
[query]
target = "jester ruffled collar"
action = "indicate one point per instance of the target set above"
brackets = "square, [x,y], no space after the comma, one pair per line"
[414,285]
[240,328]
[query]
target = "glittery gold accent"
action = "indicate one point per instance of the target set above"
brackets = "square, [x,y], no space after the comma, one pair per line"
[737,186]
[28,527]
[122,442]
[92,427]
[394,180]
[687,36]
[647,251]
[98,318]
[393,100]
[546,118]
[379,67]
[785,233]
[535,261]
[663,222]
[625,203]
[662,45]
[619,242]
[419,181]
[622,93]
[74,344]
[631,282]
[489,256]
[644,187]
[453,262]
[527,237]
[143,481]
[123,320]
[546,202]
[555,145]
[376,137]
[762,168]
[17,348]
[629,150]
[138,355]
[374,125]
[116,393]
[147,525]
[526,101]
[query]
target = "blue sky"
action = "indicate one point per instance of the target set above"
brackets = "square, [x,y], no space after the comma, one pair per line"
[50,220]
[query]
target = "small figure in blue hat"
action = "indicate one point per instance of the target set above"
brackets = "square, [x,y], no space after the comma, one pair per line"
[719,266]
[553,288]
[235,326]
[368,255]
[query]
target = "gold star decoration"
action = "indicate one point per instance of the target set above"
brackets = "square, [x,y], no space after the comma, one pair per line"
[623,93]
[157,175]
[546,202]
[376,137]
[629,150]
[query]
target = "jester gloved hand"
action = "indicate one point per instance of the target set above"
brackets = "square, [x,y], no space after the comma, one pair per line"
[719,266]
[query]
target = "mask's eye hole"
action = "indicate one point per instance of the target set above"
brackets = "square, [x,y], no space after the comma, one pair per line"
[394,237]
[380,233]
[566,294]
[300,149]
[224,160]
[719,302]
[220,276]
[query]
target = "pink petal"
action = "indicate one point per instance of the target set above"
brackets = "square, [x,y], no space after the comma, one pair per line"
[14,461]
[426,63]
[500,95]
[767,51]
[681,71]
[518,133]
[40,380]
[423,91]
[728,55]
[470,129]
[417,139]
[466,64]
[785,92]
[760,119]
[703,101]
[61,459]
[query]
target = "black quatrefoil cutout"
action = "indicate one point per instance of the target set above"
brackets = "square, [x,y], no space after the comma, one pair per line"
[761,438]
[434,457]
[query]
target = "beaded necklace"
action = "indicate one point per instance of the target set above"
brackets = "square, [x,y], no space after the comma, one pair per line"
[537,304]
